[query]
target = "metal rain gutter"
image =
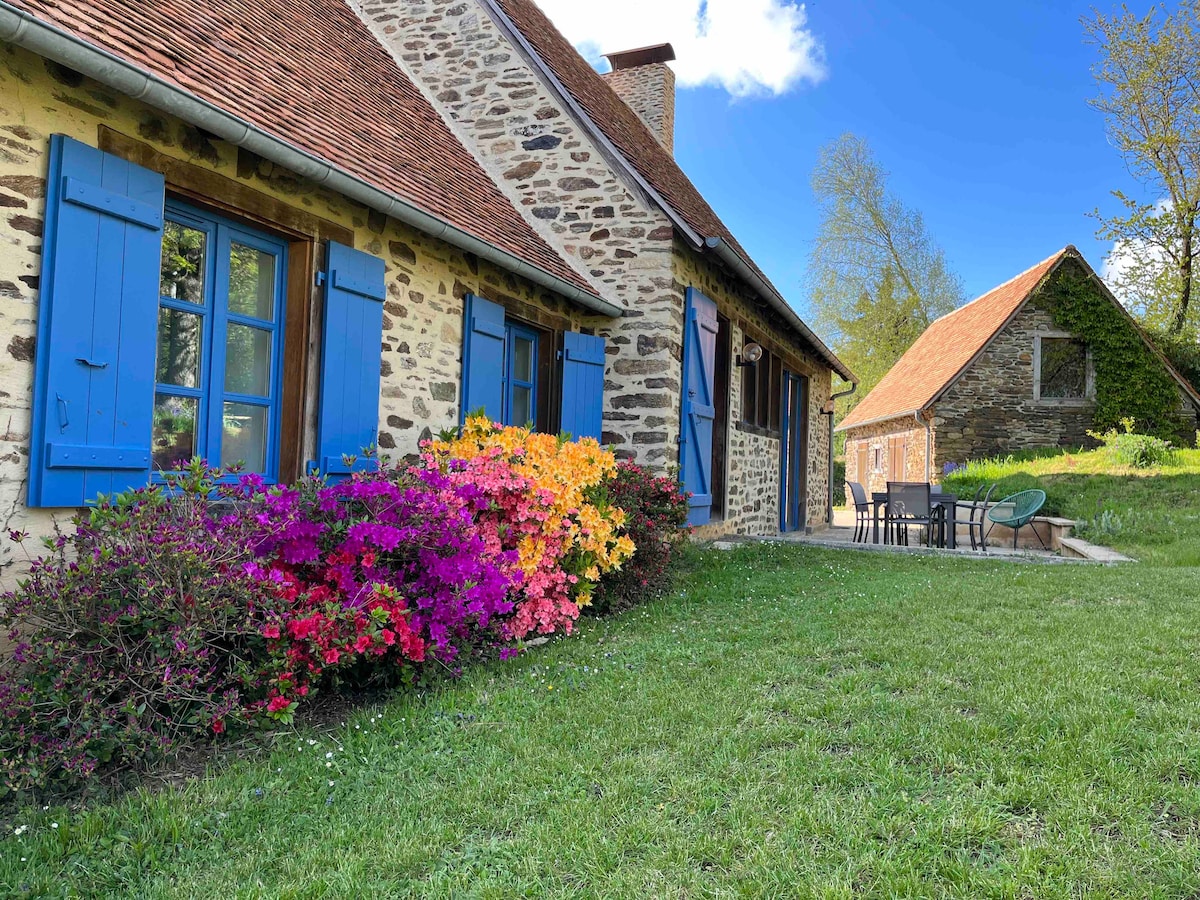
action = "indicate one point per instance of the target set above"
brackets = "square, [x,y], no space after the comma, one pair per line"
[734,260]
[30,33]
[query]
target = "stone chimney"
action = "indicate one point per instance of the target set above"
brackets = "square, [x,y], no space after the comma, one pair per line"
[646,83]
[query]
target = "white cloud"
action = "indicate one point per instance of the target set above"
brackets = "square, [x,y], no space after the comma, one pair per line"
[745,46]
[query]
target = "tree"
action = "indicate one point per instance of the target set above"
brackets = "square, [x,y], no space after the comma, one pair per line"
[876,277]
[1149,80]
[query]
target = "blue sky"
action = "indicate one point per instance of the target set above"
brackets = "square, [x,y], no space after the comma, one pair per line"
[978,112]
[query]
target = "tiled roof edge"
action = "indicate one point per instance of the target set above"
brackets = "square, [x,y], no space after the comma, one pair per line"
[47,41]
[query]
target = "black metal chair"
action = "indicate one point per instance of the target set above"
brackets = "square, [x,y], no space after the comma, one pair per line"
[979,507]
[862,512]
[909,503]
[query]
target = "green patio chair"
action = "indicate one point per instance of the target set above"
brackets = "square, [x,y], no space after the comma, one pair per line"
[1024,506]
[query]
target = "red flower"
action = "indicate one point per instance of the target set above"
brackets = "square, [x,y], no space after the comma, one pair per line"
[363,642]
[271,631]
[332,656]
[218,726]
[278,703]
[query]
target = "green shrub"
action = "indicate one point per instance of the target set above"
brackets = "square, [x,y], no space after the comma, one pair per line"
[1141,451]
[655,517]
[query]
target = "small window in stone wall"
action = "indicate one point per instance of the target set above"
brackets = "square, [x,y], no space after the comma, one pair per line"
[1062,369]
[762,392]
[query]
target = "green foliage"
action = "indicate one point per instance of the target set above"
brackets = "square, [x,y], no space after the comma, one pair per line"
[1156,508]
[1127,448]
[839,481]
[792,722]
[1182,349]
[1131,381]
[877,278]
[655,519]
[1148,93]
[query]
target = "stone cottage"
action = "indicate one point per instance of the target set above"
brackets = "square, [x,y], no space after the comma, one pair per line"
[283,232]
[995,376]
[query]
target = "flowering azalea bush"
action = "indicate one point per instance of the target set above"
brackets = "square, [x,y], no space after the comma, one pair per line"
[174,614]
[384,568]
[132,636]
[656,513]
[548,501]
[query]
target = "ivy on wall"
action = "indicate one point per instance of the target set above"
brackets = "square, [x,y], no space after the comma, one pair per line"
[1131,380]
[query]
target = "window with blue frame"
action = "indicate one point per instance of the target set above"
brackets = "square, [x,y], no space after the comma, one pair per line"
[520,375]
[220,339]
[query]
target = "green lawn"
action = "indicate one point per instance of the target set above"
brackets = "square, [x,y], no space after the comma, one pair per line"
[792,722]
[1150,514]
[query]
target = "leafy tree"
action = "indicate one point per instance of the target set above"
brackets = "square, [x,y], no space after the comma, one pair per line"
[876,277]
[1149,79]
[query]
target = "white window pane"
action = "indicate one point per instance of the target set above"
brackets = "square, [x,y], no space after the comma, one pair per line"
[182,265]
[523,359]
[174,438]
[1064,368]
[248,360]
[251,282]
[522,405]
[244,436]
[179,348]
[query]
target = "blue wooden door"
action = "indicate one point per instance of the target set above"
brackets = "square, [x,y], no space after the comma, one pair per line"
[97,320]
[699,408]
[350,372]
[793,485]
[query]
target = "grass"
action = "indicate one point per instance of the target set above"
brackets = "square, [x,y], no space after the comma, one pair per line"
[791,722]
[1150,514]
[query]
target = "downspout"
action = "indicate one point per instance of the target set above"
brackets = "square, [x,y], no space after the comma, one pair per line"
[45,40]
[833,398]
[928,424]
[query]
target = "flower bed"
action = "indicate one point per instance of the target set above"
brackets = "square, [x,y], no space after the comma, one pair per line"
[173,615]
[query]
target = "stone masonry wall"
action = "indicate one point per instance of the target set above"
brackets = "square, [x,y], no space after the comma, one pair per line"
[426,278]
[650,92]
[504,113]
[753,459]
[876,436]
[991,409]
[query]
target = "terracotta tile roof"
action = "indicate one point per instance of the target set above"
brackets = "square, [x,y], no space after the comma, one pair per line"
[619,124]
[310,73]
[947,346]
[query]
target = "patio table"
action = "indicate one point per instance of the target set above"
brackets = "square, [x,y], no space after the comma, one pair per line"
[938,499]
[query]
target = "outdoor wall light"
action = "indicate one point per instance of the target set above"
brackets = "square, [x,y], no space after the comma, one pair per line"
[750,355]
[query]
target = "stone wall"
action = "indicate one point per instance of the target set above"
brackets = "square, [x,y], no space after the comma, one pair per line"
[426,278]
[991,410]
[650,92]
[510,119]
[876,437]
[753,458]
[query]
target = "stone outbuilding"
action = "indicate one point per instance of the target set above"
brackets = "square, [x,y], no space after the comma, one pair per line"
[995,376]
[285,232]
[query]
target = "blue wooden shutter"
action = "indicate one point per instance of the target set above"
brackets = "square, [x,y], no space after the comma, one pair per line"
[97,325]
[483,357]
[348,421]
[582,385]
[699,410]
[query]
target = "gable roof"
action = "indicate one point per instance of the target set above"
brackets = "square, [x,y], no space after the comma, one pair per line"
[950,344]
[310,73]
[628,134]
